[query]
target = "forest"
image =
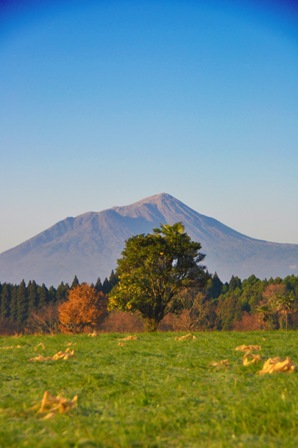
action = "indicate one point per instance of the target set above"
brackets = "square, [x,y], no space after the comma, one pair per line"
[249,304]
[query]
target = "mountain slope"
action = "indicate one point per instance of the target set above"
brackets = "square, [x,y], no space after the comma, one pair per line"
[90,244]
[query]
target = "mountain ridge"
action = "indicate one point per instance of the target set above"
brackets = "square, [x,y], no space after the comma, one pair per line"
[88,245]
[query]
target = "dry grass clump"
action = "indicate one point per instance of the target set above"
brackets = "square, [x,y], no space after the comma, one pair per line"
[272,365]
[219,364]
[40,345]
[122,341]
[187,337]
[64,355]
[248,348]
[10,347]
[92,335]
[250,358]
[277,365]
[130,338]
[50,405]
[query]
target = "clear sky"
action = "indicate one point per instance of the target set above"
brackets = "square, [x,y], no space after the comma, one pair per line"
[103,103]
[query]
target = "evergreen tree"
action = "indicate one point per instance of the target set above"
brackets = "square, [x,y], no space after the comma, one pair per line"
[13,303]
[33,297]
[98,285]
[43,294]
[252,289]
[62,292]
[75,282]
[108,283]
[113,280]
[291,282]
[52,295]
[214,287]
[22,302]
[106,287]
[5,300]
[235,283]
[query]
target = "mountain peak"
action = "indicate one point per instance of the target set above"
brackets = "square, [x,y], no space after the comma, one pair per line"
[146,208]
[90,244]
[155,199]
[160,197]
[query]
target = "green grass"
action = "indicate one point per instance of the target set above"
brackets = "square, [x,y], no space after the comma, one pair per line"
[153,392]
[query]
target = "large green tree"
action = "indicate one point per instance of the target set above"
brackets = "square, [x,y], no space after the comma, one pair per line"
[154,269]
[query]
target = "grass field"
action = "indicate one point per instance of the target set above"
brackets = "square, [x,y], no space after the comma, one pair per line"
[151,392]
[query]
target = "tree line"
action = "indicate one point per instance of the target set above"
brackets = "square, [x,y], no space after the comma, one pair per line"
[21,303]
[243,305]
[246,304]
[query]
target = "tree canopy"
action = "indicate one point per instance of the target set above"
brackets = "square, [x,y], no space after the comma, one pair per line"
[154,269]
[83,310]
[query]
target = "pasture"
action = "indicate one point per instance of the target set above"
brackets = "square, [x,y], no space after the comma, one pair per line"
[151,392]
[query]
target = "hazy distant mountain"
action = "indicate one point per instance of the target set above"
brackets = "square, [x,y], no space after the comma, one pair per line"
[89,245]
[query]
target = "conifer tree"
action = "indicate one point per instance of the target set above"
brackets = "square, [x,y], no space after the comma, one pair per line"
[5,300]
[214,286]
[113,280]
[106,286]
[98,285]
[75,282]
[33,297]
[61,293]
[43,296]
[13,303]
[52,295]
[22,302]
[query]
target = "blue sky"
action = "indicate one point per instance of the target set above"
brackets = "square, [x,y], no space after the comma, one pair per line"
[103,103]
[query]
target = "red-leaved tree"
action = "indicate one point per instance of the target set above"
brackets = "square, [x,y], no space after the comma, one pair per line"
[83,311]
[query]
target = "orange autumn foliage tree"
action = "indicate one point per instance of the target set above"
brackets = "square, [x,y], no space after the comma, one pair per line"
[83,311]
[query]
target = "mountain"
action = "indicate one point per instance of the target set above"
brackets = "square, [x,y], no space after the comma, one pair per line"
[89,245]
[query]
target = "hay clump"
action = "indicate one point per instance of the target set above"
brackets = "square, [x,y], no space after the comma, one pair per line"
[186,337]
[250,358]
[248,348]
[129,338]
[220,364]
[92,335]
[50,405]
[64,355]
[278,365]
[10,347]
[40,358]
